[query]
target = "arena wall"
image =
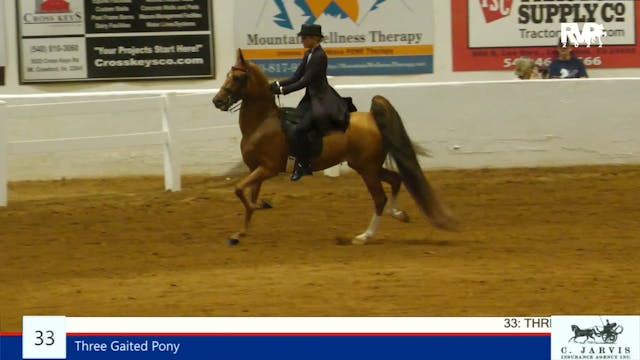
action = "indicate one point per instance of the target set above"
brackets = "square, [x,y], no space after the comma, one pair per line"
[464,125]
[466,119]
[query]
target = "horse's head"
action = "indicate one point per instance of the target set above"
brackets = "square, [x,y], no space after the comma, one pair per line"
[574,327]
[244,80]
[234,86]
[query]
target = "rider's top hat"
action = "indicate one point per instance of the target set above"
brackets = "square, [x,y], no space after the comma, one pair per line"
[310,30]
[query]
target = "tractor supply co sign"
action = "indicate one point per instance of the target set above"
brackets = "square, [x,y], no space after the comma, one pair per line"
[83,40]
[492,34]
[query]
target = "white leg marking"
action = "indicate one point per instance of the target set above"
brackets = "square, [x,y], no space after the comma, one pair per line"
[391,208]
[371,230]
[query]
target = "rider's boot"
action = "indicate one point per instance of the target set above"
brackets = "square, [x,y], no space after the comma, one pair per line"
[301,168]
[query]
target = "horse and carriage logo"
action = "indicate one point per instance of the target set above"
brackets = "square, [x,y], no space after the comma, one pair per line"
[607,334]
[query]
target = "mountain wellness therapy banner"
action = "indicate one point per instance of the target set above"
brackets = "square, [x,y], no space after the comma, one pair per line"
[82,40]
[3,60]
[491,34]
[362,37]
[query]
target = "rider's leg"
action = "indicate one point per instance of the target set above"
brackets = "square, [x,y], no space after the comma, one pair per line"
[303,160]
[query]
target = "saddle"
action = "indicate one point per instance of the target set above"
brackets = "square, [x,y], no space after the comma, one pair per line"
[290,117]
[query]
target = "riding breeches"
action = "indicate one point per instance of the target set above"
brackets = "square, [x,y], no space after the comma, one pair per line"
[302,136]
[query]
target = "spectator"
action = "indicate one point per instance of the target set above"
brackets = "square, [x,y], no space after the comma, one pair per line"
[566,66]
[526,69]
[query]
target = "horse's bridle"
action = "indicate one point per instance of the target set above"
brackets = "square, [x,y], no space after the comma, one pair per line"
[233,97]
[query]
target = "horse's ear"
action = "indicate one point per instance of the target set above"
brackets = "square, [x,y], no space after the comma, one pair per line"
[240,57]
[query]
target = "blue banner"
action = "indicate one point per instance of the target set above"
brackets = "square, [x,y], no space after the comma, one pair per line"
[396,65]
[283,347]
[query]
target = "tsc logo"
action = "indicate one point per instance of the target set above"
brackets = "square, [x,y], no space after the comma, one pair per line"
[495,9]
[591,32]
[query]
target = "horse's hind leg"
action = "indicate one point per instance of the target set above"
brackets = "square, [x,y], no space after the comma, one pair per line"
[393,178]
[379,198]
[256,177]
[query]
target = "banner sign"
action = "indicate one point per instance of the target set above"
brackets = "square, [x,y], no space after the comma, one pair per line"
[82,40]
[282,338]
[492,34]
[587,337]
[561,337]
[359,38]
[291,347]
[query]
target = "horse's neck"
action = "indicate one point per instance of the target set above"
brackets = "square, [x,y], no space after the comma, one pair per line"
[254,112]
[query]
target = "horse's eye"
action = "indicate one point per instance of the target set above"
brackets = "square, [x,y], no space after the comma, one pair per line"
[236,78]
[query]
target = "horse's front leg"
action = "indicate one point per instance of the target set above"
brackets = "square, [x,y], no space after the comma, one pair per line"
[255,193]
[255,178]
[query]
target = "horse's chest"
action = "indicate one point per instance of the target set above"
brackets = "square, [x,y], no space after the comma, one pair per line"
[254,145]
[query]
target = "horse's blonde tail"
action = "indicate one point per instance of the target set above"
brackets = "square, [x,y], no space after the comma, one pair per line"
[402,150]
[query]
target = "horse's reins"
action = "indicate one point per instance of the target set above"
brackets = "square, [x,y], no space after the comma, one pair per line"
[235,107]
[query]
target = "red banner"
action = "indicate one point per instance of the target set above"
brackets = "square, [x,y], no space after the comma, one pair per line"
[492,34]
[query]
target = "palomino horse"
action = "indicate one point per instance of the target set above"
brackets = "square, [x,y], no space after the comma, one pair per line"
[364,145]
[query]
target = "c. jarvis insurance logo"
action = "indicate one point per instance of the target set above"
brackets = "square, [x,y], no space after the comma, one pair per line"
[607,334]
[495,9]
[595,337]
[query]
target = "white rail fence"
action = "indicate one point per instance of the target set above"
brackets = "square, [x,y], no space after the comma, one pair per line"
[499,124]
[162,107]
[165,106]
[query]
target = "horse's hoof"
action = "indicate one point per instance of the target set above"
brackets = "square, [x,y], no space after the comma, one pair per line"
[265,204]
[399,215]
[360,239]
[234,239]
[446,224]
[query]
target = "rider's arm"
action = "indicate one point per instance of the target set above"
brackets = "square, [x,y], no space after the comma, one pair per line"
[313,70]
[297,75]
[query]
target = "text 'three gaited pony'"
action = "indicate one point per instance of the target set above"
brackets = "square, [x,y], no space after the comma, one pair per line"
[364,145]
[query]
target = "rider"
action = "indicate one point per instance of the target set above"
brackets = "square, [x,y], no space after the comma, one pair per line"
[320,103]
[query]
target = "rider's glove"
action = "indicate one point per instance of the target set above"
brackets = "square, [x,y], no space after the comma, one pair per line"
[275,88]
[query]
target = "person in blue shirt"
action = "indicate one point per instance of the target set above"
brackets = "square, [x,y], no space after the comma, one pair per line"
[566,66]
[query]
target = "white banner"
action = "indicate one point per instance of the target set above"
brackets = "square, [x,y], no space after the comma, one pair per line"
[586,337]
[362,37]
